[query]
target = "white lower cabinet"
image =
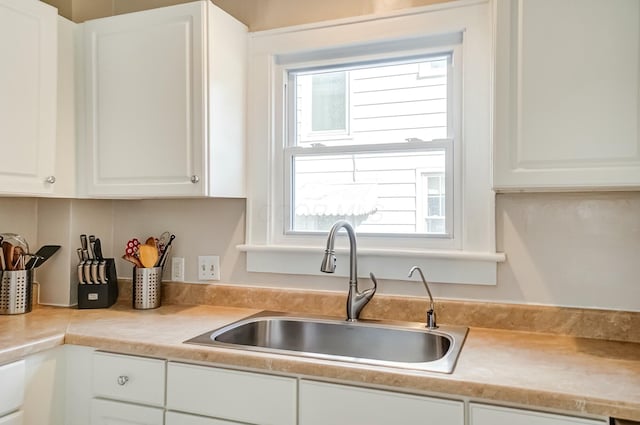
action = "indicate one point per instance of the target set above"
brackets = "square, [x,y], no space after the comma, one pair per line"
[128,378]
[480,414]
[160,392]
[15,418]
[11,394]
[322,403]
[106,412]
[175,418]
[247,397]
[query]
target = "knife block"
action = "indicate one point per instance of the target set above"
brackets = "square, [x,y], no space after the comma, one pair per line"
[101,295]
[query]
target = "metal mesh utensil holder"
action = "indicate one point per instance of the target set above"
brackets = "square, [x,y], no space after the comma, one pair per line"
[15,291]
[147,283]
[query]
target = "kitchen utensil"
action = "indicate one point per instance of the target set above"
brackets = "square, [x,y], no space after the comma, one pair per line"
[133,260]
[94,272]
[79,252]
[87,272]
[97,249]
[163,240]
[15,290]
[83,243]
[92,242]
[147,286]
[148,255]
[165,253]
[16,240]
[18,258]
[42,255]
[81,273]
[132,247]
[7,252]
[102,272]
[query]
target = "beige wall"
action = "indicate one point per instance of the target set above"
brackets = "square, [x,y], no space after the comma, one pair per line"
[579,249]
[256,14]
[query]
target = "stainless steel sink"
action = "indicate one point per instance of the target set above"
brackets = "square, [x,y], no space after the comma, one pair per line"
[391,344]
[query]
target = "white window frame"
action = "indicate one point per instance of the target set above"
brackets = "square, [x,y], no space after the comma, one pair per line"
[467,258]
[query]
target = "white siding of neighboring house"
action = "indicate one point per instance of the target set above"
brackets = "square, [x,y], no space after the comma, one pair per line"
[387,105]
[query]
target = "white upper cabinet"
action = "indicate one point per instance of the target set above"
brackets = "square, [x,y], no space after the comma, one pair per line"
[567,94]
[28,79]
[164,104]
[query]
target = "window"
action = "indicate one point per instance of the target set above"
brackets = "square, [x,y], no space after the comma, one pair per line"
[329,101]
[398,122]
[432,205]
[381,121]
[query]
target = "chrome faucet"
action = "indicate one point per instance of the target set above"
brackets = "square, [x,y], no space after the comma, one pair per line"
[356,299]
[431,313]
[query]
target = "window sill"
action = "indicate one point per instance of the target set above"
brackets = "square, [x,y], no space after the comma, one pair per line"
[459,267]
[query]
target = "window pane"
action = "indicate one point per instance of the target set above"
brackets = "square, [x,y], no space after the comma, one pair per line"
[382,103]
[376,192]
[328,101]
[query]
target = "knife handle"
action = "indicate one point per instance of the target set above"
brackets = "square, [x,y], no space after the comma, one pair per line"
[81,273]
[87,272]
[102,272]
[94,272]
[97,249]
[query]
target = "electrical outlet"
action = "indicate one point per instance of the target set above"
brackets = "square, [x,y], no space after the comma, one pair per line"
[209,267]
[177,269]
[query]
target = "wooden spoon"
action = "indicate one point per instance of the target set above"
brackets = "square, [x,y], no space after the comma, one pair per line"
[148,255]
[7,253]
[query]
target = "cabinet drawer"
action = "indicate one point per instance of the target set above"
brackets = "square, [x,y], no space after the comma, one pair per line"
[12,419]
[480,414]
[322,403]
[12,388]
[134,379]
[175,418]
[105,412]
[228,394]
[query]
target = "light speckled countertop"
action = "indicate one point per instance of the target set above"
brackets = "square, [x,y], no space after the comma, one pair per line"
[575,375]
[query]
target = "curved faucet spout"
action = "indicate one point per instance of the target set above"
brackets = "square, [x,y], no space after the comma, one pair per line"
[356,300]
[431,313]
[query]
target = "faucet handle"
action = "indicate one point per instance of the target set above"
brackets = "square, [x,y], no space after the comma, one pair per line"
[375,282]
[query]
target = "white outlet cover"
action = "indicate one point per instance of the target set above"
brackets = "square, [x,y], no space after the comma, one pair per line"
[177,269]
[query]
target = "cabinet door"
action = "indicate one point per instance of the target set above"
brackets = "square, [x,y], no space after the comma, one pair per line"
[104,412]
[15,418]
[12,395]
[145,108]
[229,394]
[175,418]
[28,78]
[322,404]
[129,378]
[567,94]
[492,415]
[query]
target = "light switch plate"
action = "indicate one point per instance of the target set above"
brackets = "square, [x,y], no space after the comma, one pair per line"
[209,267]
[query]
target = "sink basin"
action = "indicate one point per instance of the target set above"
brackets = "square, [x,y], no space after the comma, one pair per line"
[392,344]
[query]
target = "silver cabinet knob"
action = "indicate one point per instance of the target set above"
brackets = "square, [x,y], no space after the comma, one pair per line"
[195,179]
[51,179]
[122,380]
